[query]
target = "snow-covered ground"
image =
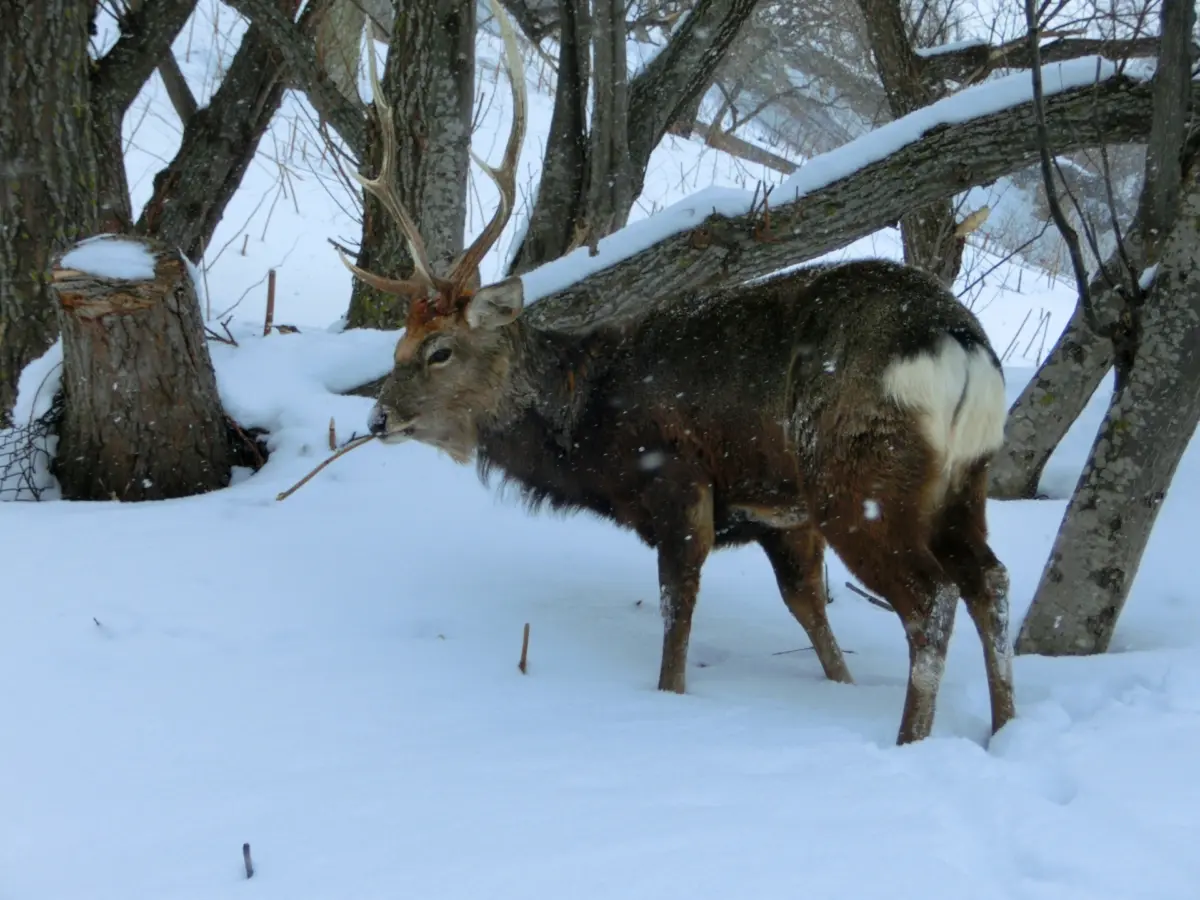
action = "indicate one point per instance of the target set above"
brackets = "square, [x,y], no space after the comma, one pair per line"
[333,678]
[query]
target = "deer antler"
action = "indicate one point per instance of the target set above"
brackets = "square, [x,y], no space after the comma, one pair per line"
[467,266]
[383,188]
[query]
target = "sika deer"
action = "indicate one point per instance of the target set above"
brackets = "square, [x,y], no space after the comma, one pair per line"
[855,404]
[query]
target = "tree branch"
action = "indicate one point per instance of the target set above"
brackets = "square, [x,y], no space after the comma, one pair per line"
[347,115]
[685,67]
[181,95]
[534,23]
[945,161]
[1158,205]
[147,32]
[973,64]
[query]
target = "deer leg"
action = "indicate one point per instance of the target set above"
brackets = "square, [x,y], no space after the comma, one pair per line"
[960,544]
[928,625]
[872,510]
[796,556]
[684,541]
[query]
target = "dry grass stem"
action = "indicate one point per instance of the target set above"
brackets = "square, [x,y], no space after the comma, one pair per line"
[350,445]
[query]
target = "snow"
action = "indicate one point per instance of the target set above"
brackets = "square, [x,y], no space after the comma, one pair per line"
[333,678]
[110,256]
[951,47]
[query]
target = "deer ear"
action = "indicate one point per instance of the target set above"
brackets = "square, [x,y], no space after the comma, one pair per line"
[497,304]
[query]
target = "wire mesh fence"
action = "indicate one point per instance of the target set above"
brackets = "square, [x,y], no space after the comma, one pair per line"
[25,454]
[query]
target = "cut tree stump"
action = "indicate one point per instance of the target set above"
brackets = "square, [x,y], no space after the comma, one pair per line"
[142,417]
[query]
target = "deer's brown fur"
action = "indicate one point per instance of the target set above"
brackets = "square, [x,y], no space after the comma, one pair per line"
[756,414]
[856,405]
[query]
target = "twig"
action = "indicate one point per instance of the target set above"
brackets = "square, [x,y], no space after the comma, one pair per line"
[802,650]
[881,604]
[246,860]
[270,303]
[217,337]
[523,664]
[332,434]
[349,445]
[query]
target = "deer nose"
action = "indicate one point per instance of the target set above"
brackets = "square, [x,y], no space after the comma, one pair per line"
[377,420]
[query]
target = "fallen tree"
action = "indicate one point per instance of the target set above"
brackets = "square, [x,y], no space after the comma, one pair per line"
[732,245]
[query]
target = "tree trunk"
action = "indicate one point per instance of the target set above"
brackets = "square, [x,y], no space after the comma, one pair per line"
[142,418]
[610,189]
[927,232]
[1084,352]
[47,169]
[583,195]
[719,250]
[1048,407]
[339,38]
[1149,423]
[561,192]
[430,81]
[1156,404]
[219,142]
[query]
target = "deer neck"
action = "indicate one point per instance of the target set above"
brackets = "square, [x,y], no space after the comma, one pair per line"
[548,388]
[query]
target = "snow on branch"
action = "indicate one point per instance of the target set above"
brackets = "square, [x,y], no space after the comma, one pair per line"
[960,142]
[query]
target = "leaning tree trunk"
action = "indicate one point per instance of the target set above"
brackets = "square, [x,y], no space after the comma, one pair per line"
[1149,424]
[47,169]
[430,80]
[142,416]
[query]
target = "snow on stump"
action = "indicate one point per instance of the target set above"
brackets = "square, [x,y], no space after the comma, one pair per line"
[142,417]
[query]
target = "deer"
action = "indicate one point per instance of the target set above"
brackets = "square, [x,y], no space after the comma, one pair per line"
[852,405]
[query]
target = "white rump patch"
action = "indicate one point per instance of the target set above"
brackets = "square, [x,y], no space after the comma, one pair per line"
[960,396]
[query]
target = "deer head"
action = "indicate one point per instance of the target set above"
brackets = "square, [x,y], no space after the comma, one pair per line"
[453,359]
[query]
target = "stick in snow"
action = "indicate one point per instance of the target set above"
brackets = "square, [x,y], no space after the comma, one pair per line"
[349,445]
[523,664]
[246,860]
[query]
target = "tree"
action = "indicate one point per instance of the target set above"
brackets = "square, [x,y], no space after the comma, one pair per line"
[1156,404]
[429,82]
[142,419]
[592,172]
[47,190]
[61,114]
[423,75]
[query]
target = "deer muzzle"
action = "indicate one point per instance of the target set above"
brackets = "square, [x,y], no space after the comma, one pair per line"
[389,427]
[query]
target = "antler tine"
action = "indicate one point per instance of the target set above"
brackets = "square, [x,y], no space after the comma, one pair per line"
[383,188]
[403,287]
[505,176]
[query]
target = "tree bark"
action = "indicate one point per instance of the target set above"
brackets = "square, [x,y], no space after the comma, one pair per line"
[928,234]
[1156,404]
[1149,424]
[561,190]
[339,38]
[142,418]
[219,142]
[584,195]
[610,189]
[946,160]
[1084,352]
[430,82]
[48,169]
[299,53]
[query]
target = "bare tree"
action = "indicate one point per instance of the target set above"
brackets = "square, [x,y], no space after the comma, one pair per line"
[593,171]
[1156,404]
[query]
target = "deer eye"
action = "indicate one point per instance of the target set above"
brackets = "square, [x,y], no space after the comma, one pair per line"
[439,357]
